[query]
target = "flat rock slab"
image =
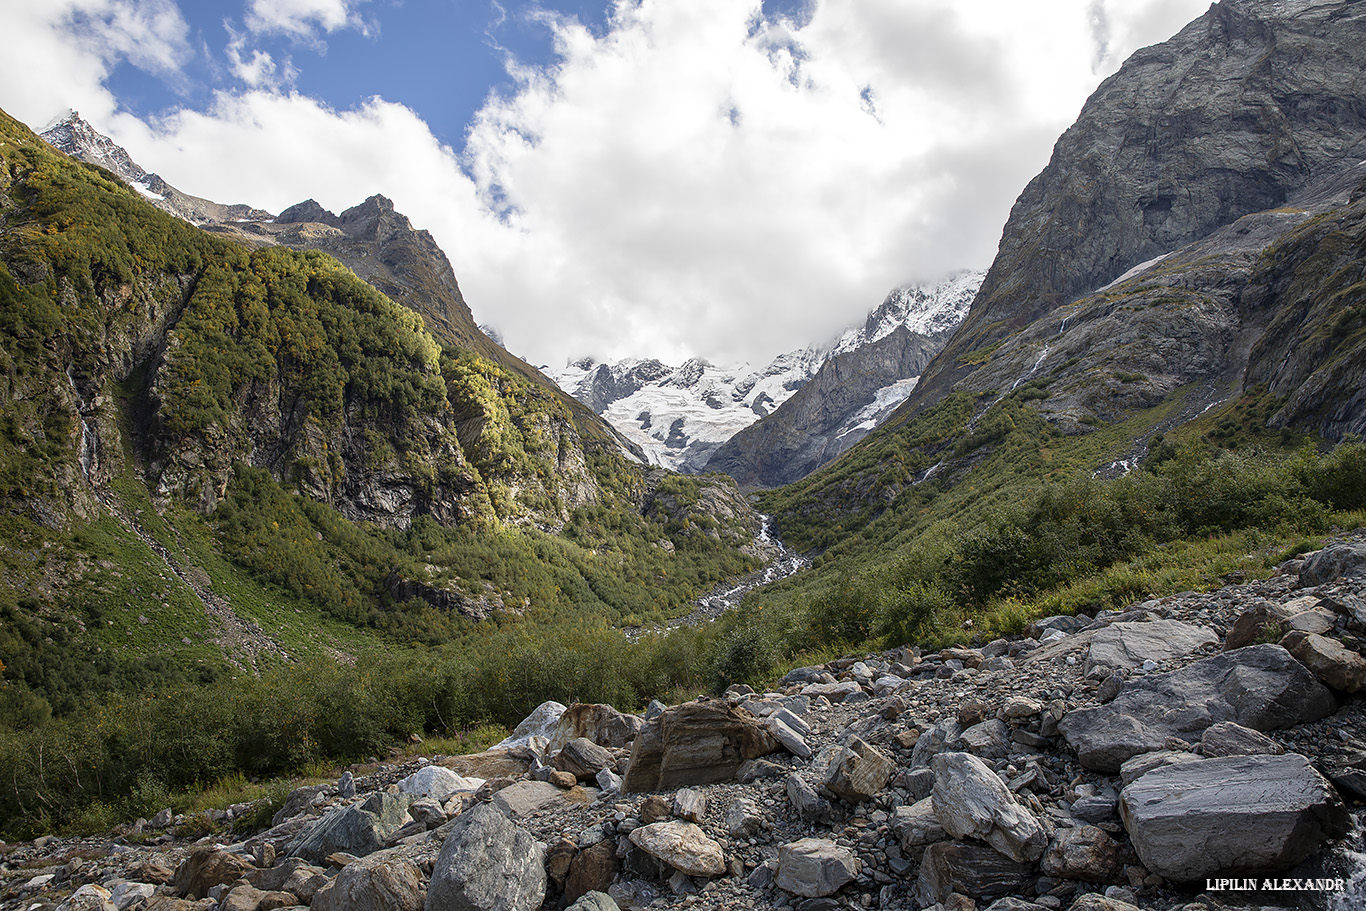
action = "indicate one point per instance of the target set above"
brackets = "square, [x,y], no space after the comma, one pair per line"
[1261,687]
[1233,815]
[526,797]
[1128,645]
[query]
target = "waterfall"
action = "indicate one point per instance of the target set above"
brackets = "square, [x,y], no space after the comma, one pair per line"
[90,442]
[1034,369]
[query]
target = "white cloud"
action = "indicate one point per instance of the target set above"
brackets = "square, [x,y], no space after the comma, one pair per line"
[256,68]
[303,19]
[691,179]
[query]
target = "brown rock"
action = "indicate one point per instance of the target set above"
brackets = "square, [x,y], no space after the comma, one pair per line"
[206,866]
[1085,853]
[859,771]
[695,743]
[1337,666]
[968,869]
[582,758]
[499,763]
[591,870]
[250,898]
[558,858]
[1260,623]
[561,779]
[654,808]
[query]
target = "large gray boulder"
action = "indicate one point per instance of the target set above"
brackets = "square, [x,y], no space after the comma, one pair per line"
[487,863]
[1260,687]
[815,867]
[602,724]
[1230,816]
[1334,561]
[917,825]
[358,829]
[380,882]
[971,801]
[1128,645]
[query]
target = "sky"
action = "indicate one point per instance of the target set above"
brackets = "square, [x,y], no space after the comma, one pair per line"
[730,179]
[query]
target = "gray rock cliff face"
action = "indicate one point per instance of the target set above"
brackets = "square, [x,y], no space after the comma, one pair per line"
[1244,107]
[814,427]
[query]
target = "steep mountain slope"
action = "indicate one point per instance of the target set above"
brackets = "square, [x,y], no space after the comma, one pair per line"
[685,416]
[377,243]
[868,373]
[286,459]
[1232,317]
[1245,106]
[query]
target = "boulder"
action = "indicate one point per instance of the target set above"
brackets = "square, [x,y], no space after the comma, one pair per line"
[359,829]
[791,739]
[815,867]
[243,897]
[971,801]
[89,897]
[523,798]
[858,771]
[540,723]
[989,739]
[1085,853]
[681,845]
[917,825]
[835,692]
[437,782]
[1128,645]
[1260,686]
[206,866]
[487,863]
[126,894]
[582,758]
[300,801]
[500,762]
[941,737]
[1140,765]
[601,724]
[690,804]
[1332,562]
[380,882]
[1260,622]
[810,806]
[1093,901]
[594,901]
[744,818]
[293,875]
[1232,815]
[592,870]
[1228,738]
[1337,666]
[695,743]
[968,869]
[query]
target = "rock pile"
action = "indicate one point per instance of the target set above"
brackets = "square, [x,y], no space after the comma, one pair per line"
[1099,764]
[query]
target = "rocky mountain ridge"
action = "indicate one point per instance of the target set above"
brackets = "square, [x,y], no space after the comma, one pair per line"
[684,416]
[1112,763]
[1245,107]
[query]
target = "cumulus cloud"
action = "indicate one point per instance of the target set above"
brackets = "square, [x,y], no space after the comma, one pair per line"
[304,19]
[692,178]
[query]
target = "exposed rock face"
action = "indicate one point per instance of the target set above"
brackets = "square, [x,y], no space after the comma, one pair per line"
[814,426]
[487,863]
[1245,106]
[1239,814]
[695,743]
[1261,687]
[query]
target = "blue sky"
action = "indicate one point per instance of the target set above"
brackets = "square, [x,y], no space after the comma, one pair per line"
[724,178]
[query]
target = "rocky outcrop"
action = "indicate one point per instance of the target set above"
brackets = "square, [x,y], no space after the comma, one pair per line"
[1244,107]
